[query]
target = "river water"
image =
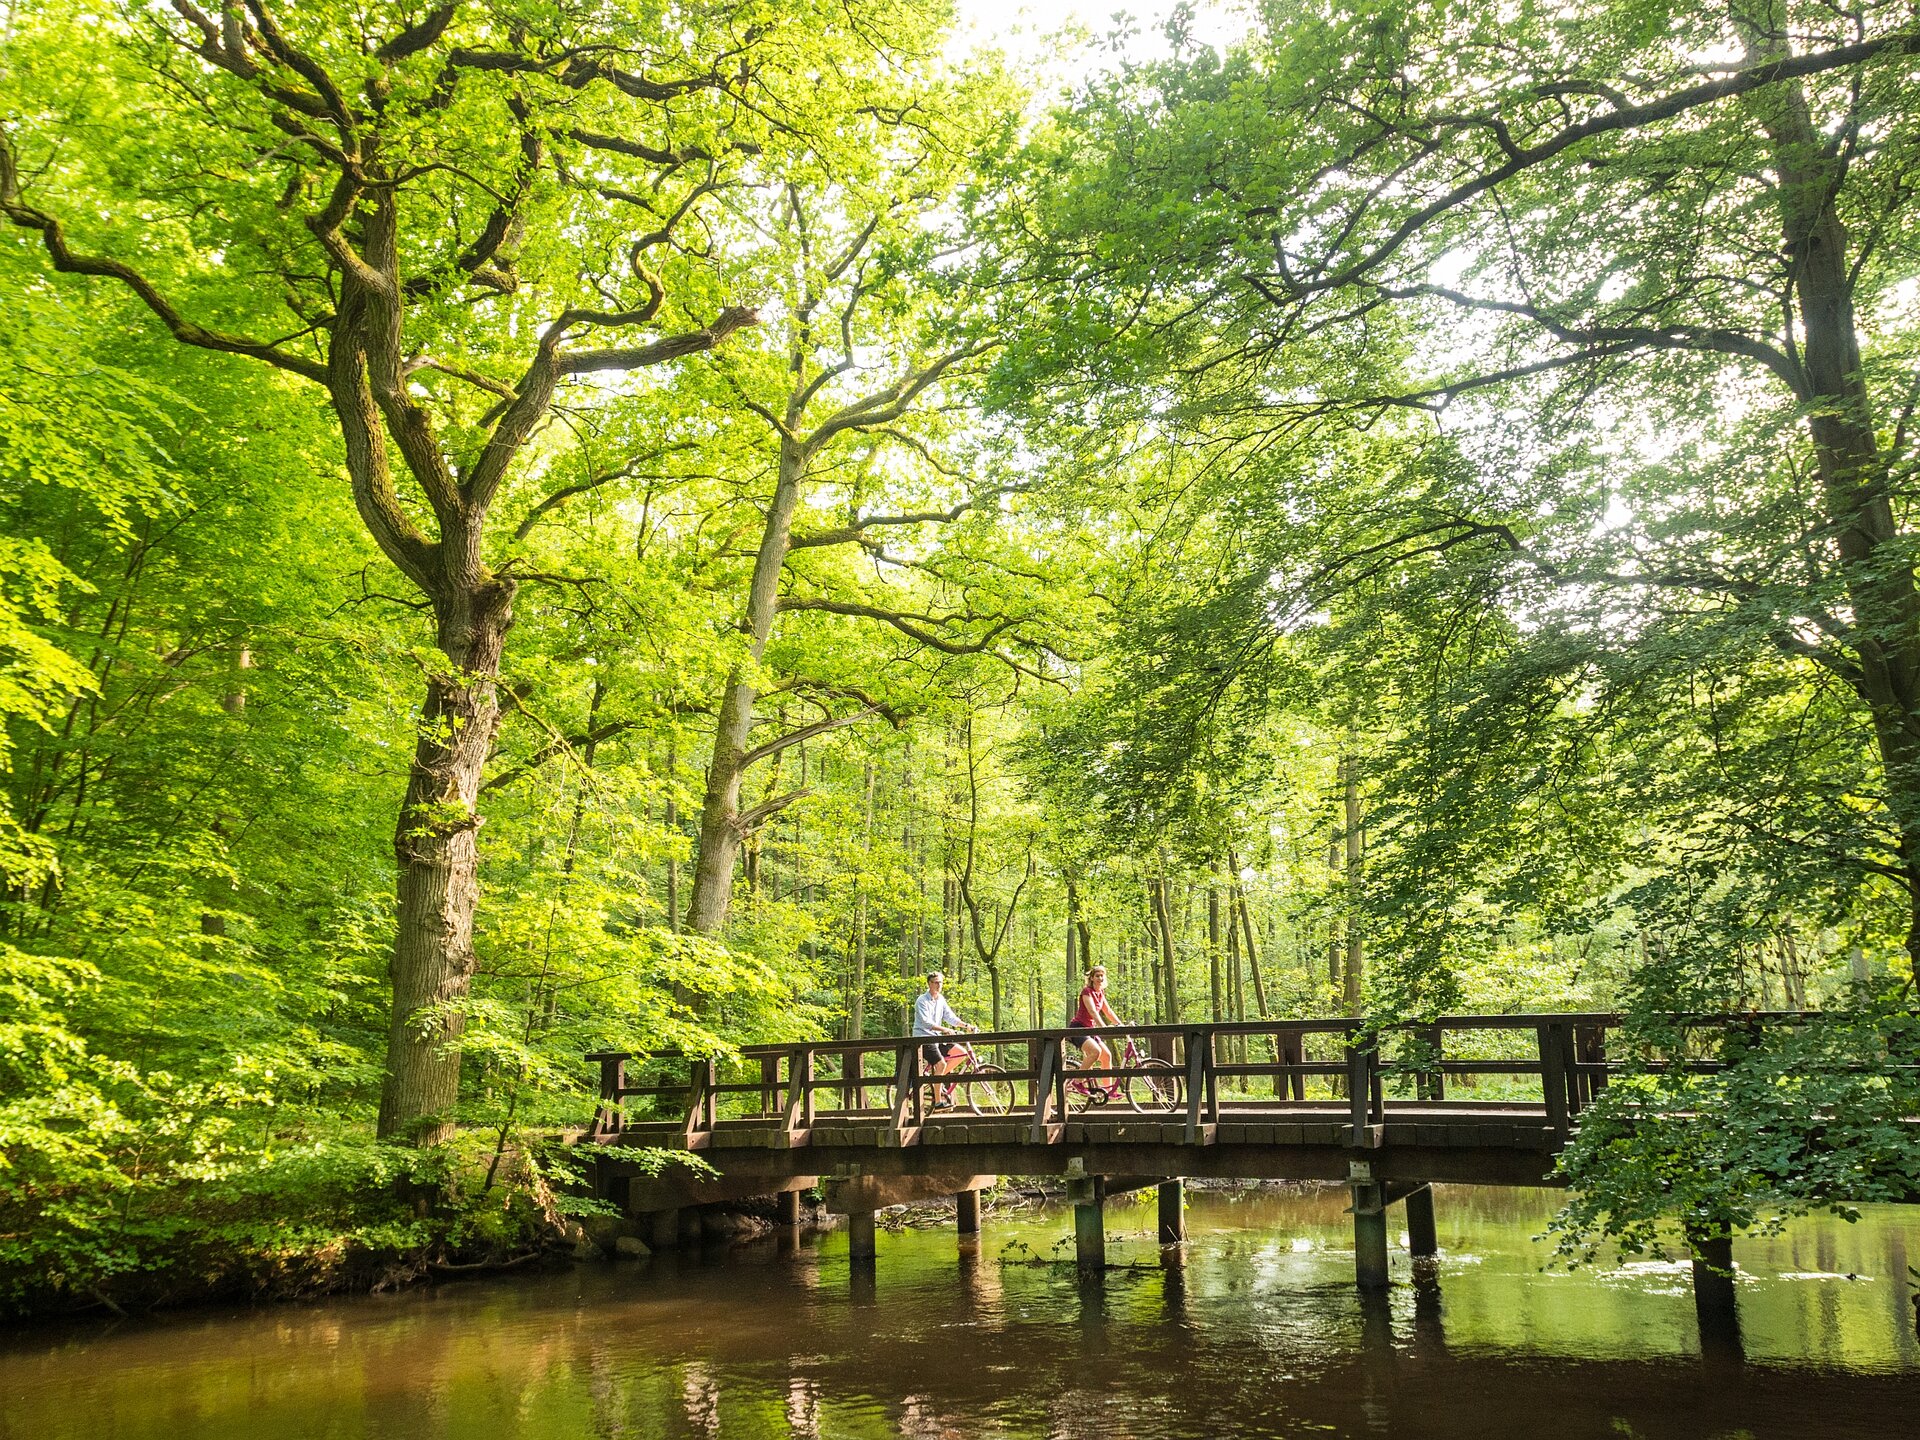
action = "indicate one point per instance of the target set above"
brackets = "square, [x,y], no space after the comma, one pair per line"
[1257,1331]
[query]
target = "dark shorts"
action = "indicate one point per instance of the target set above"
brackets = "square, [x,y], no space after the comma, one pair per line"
[934,1051]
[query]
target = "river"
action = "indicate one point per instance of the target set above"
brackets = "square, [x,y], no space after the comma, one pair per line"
[1258,1331]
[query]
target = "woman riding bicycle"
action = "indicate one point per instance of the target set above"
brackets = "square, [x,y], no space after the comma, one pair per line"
[1094,1011]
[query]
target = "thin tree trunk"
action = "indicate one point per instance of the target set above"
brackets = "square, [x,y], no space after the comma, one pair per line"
[1246,925]
[1215,975]
[1158,891]
[857,988]
[1333,909]
[1356,934]
[673,829]
[1156,980]
[1074,961]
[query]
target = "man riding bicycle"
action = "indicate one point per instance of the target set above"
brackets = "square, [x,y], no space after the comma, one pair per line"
[933,1016]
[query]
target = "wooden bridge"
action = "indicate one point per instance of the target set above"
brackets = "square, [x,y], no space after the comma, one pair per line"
[1477,1099]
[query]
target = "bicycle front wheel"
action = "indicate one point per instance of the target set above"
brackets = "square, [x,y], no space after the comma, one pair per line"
[987,1091]
[1155,1088]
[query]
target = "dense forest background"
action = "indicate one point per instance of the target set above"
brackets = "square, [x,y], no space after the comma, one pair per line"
[532,527]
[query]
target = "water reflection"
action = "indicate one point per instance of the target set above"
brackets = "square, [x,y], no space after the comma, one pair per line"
[1253,1327]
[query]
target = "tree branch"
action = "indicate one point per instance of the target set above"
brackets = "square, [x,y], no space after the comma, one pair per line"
[70,262]
[805,732]
[848,533]
[747,819]
[1613,121]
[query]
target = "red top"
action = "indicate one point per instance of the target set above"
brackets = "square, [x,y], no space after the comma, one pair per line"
[1088,1012]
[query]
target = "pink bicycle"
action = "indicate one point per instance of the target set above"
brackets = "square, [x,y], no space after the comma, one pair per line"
[1150,1085]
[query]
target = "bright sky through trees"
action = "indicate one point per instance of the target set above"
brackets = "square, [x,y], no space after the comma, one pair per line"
[1026,30]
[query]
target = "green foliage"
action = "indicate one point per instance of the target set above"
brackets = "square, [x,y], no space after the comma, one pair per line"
[1813,1117]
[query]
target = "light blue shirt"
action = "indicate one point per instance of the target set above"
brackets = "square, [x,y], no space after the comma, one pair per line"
[930,1010]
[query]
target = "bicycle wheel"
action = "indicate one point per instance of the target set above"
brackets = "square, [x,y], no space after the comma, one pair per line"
[1156,1088]
[987,1091]
[1079,1093]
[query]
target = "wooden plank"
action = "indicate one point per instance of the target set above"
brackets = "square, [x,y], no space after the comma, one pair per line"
[1359,1086]
[1555,1054]
[799,1077]
[1199,1058]
[906,1089]
[699,1103]
[1046,1095]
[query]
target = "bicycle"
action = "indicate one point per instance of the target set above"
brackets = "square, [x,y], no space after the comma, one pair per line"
[1150,1085]
[1154,1084]
[980,1085]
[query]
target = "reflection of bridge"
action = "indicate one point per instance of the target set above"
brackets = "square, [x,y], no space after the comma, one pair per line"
[1483,1100]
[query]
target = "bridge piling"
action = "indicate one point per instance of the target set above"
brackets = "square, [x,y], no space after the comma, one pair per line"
[1369,1229]
[786,1208]
[966,1212]
[1173,1219]
[663,1229]
[1423,1236]
[1089,1225]
[860,1242]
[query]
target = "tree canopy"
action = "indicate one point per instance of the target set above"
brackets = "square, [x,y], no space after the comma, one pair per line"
[533,528]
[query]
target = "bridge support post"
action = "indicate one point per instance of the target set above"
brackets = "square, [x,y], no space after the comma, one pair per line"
[860,1245]
[1713,1287]
[1369,1229]
[1089,1226]
[786,1207]
[663,1229]
[966,1212]
[1423,1235]
[1173,1218]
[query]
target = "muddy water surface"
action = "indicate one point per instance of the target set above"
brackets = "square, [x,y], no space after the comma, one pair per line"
[1256,1331]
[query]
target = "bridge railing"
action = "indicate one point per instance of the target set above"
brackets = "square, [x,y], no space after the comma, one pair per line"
[1190,1072]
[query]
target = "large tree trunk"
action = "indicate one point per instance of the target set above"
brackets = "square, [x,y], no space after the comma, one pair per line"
[1854,483]
[439,888]
[720,832]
